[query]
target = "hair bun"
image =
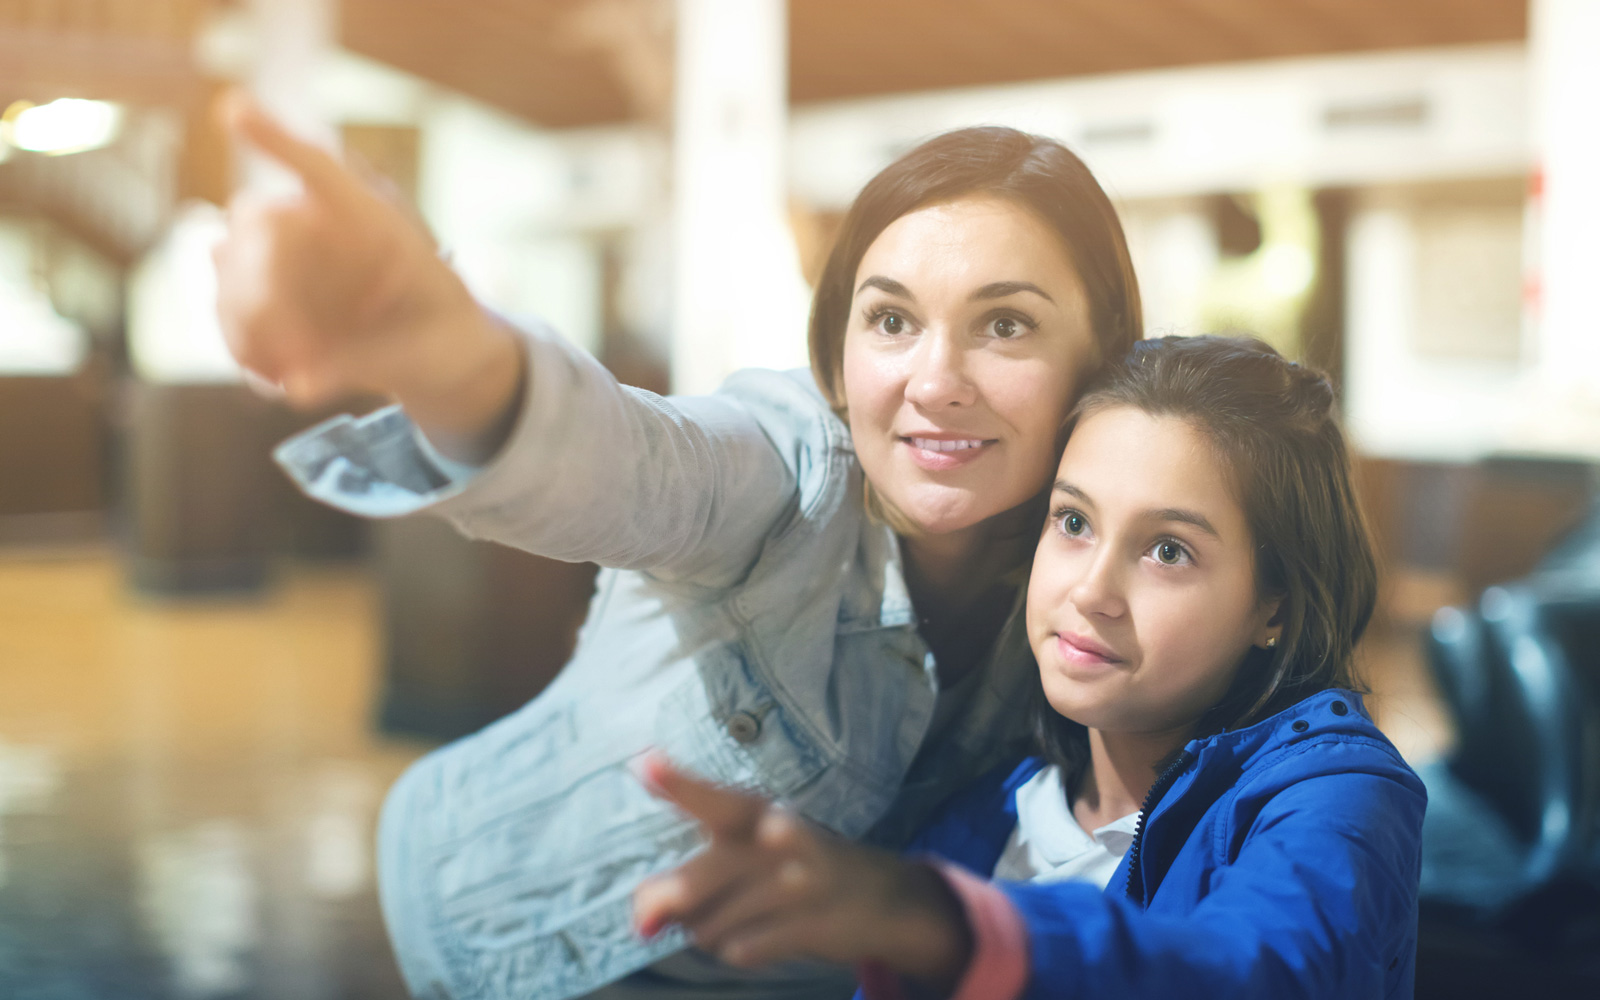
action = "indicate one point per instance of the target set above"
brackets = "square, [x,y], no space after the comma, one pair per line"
[1312,391]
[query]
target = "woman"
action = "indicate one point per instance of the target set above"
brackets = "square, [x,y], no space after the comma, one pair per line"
[809,575]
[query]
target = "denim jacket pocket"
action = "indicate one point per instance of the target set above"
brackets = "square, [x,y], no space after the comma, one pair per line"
[745,737]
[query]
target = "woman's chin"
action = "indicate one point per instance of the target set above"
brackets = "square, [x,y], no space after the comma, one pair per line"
[945,510]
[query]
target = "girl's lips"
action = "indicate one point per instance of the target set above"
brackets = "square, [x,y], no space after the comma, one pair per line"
[1084,652]
[936,454]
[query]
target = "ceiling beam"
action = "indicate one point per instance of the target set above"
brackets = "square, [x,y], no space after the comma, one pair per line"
[42,65]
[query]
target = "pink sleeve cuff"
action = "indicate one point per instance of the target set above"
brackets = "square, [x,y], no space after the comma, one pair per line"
[998,969]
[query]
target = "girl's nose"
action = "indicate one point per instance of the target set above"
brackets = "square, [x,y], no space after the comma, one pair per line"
[1098,592]
[939,379]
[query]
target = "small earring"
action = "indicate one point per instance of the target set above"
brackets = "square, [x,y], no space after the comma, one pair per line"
[1272,641]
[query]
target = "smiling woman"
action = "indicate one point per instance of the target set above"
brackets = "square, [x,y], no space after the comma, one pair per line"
[810,593]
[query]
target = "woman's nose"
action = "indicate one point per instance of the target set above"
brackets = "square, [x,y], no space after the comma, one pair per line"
[939,378]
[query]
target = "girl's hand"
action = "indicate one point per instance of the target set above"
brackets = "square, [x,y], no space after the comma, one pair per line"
[771,887]
[338,290]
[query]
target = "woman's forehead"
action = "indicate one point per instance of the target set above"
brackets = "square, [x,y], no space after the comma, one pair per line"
[979,238]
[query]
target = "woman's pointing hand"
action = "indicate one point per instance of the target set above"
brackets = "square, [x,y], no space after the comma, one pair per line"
[339,290]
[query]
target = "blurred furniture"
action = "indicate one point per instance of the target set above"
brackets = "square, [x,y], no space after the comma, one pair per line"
[53,450]
[197,483]
[1512,843]
[205,509]
[472,630]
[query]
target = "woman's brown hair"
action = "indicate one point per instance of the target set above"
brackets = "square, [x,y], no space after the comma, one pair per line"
[1040,174]
[1274,426]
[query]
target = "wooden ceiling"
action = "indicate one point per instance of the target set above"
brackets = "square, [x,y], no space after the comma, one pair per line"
[532,58]
[140,51]
[577,62]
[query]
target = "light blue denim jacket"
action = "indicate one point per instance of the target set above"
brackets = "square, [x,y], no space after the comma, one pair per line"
[752,622]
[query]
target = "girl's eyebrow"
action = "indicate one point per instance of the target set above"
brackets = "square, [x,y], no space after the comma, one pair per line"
[1177,514]
[1062,486]
[1186,517]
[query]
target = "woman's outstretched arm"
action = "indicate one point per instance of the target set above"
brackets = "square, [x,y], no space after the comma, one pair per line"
[337,290]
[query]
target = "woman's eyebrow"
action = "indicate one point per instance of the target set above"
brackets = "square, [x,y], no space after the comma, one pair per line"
[1000,289]
[889,285]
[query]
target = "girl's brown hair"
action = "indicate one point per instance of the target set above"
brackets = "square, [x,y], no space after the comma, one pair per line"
[1273,425]
[1040,174]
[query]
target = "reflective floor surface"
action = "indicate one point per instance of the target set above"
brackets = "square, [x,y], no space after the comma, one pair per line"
[188,789]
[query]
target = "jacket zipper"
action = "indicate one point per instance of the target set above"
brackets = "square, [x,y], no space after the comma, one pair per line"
[1151,798]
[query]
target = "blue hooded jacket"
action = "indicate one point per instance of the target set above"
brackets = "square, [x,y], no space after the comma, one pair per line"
[1277,861]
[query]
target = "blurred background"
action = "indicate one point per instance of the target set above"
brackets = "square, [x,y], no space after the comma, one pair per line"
[207,682]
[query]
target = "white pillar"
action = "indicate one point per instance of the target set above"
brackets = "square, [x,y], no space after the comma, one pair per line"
[738,299]
[1564,50]
[293,38]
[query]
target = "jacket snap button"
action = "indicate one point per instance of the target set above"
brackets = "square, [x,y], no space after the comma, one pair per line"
[744,727]
[1300,725]
[1339,708]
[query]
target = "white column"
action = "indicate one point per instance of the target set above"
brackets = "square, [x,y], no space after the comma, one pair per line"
[1564,50]
[738,299]
[293,40]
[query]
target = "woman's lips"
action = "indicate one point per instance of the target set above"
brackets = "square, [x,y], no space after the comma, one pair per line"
[936,454]
[1085,652]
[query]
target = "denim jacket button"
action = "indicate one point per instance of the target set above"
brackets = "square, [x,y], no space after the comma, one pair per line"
[744,727]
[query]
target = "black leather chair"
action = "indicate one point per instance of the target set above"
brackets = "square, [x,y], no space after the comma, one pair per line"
[1511,847]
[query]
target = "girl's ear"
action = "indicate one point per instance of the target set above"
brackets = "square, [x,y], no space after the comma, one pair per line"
[1270,615]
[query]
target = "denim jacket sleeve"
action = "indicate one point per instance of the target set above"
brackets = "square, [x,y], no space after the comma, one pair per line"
[1320,902]
[687,488]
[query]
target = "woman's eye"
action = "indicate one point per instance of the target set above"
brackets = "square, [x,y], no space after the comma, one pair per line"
[892,323]
[1006,327]
[1169,553]
[1073,523]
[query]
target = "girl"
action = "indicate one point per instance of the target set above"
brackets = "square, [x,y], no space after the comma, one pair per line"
[1195,601]
[808,573]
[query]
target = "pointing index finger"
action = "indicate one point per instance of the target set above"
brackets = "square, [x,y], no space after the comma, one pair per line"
[723,811]
[320,170]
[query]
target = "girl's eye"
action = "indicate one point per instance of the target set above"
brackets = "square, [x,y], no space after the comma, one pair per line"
[1073,523]
[893,324]
[1168,552]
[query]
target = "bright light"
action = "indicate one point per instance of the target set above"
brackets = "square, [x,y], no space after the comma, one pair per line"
[68,125]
